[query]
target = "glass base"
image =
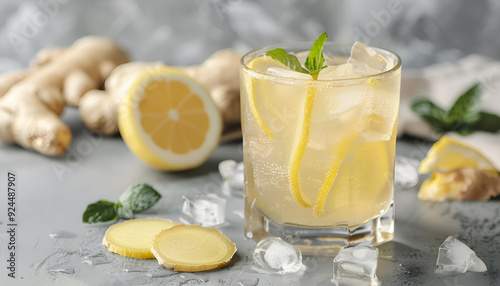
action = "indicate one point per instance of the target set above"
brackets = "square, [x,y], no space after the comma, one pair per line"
[319,241]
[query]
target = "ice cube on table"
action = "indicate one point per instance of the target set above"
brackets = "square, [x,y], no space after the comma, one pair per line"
[277,256]
[356,266]
[288,73]
[204,209]
[405,172]
[367,61]
[233,177]
[226,168]
[456,257]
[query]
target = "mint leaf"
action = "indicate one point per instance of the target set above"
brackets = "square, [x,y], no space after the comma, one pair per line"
[290,61]
[315,59]
[122,212]
[425,107]
[314,62]
[466,109]
[431,113]
[139,197]
[101,211]
[464,117]
[487,122]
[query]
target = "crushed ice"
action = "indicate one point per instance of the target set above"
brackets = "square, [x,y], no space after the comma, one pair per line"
[356,266]
[233,179]
[274,255]
[456,257]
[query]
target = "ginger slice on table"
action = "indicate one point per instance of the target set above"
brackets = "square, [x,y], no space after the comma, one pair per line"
[192,248]
[467,184]
[134,238]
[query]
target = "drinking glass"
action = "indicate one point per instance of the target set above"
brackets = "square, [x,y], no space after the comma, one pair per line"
[319,152]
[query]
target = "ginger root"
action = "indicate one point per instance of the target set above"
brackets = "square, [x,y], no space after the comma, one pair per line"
[32,100]
[99,108]
[219,74]
[466,184]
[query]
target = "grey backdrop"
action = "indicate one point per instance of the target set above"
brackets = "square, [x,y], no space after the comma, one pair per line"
[186,32]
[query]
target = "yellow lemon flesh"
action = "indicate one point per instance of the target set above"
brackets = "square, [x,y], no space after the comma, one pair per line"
[444,161]
[449,154]
[169,121]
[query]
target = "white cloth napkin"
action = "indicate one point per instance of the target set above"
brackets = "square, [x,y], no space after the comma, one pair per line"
[443,83]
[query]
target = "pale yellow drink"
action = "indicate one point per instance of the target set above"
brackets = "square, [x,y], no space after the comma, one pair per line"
[318,153]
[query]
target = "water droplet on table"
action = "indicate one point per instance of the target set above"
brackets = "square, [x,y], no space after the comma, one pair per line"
[249,282]
[126,270]
[68,270]
[62,234]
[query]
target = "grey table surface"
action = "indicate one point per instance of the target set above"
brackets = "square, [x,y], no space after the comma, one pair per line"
[54,247]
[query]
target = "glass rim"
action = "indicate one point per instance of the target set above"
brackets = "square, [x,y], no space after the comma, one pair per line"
[392,70]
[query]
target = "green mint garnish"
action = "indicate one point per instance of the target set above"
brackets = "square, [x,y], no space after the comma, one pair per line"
[290,61]
[464,116]
[137,198]
[314,62]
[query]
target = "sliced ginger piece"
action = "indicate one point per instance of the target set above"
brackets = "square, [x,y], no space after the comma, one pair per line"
[192,248]
[465,184]
[134,238]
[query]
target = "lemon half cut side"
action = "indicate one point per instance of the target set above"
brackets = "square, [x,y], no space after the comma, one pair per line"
[169,121]
[450,154]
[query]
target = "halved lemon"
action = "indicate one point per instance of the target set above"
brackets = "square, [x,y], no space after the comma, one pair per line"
[449,154]
[169,121]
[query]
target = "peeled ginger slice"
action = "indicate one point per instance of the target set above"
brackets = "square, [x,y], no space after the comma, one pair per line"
[192,248]
[134,238]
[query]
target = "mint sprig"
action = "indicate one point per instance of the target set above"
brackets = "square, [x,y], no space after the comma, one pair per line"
[289,60]
[314,62]
[466,108]
[315,59]
[100,211]
[463,117]
[137,198]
